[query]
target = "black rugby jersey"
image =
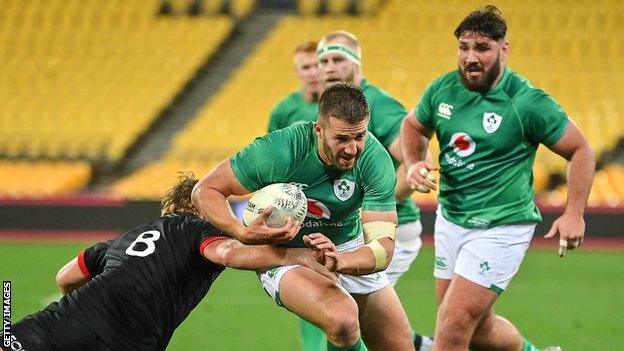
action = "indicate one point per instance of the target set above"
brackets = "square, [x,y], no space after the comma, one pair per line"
[144,283]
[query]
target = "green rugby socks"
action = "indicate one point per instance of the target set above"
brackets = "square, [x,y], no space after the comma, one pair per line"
[528,346]
[357,347]
[313,338]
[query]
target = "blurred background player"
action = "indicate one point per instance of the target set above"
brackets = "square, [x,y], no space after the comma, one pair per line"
[132,292]
[342,169]
[340,60]
[489,122]
[301,105]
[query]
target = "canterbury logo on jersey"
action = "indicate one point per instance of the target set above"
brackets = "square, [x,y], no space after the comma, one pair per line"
[445,110]
[318,210]
[462,144]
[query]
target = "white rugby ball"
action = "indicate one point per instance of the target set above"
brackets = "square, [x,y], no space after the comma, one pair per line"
[288,201]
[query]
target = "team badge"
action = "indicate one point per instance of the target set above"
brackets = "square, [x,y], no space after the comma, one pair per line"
[491,122]
[462,144]
[343,189]
[318,210]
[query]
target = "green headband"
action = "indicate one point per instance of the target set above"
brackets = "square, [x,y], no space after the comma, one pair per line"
[339,49]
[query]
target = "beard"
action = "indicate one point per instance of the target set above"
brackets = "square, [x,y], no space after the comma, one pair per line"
[335,159]
[483,83]
[350,78]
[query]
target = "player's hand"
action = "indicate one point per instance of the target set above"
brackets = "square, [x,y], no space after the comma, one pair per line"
[318,241]
[571,229]
[333,261]
[259,231]
[310,261]
[419,176]
[321,246]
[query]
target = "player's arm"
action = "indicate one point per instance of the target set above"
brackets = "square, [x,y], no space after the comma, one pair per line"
[573,147]
[210,197]
[414,143]
[234,254]
[403,190]
[70,277]
[379,235]
[81,269]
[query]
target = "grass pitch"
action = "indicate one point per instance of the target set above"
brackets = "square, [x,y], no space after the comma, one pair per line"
[576,302]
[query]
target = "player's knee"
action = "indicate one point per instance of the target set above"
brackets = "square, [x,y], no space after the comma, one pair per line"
[341,324]
[458,320]
[343,329]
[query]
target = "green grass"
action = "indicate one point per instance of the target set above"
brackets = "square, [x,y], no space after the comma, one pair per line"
[576,302]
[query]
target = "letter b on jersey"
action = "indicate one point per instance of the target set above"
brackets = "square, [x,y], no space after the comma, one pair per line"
[144,244]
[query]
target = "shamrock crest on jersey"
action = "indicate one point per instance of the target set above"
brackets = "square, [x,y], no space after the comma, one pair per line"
[343,189]
[491,122]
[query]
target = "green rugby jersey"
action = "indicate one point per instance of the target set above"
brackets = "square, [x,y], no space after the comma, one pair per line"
[386,116]
[292,110]
[487,147]
[290,155]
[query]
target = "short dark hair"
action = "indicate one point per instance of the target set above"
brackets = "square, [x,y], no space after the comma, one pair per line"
[486,20]
[178,198]
[307,47]
[344,101]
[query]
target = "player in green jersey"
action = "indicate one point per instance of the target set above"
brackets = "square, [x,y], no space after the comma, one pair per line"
[339,55]
[342,169]
[301,105]
[489,122]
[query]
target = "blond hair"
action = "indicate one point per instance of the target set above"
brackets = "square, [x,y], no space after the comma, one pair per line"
[178,198]
[306,47]
[350,38]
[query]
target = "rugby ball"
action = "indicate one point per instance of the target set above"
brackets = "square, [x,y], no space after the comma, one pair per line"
[288,200]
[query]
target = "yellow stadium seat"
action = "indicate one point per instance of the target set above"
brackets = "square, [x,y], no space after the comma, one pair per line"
[87,78]
[338,7]
[308,7]
[570,50]
[42,178]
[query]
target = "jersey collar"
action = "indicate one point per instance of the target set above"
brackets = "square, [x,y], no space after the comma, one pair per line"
[364,84]
[502,82]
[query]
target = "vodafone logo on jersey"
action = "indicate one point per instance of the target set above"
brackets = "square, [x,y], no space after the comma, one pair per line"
[462,144]
[318,210]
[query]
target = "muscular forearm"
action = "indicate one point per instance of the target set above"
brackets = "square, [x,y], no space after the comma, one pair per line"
[70,277]
[234,254]
[214,207]
[69,287]
[413,143]
[362,260]
[580,176]
[403,191]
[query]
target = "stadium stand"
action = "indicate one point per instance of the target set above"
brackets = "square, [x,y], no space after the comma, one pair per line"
[235,8]
[83,79]
[152,181]
[42,178]
[69,78]
[574,68]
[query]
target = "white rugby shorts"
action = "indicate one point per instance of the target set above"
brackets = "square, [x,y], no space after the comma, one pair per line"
[361,285]
[488,257]
[406,248]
